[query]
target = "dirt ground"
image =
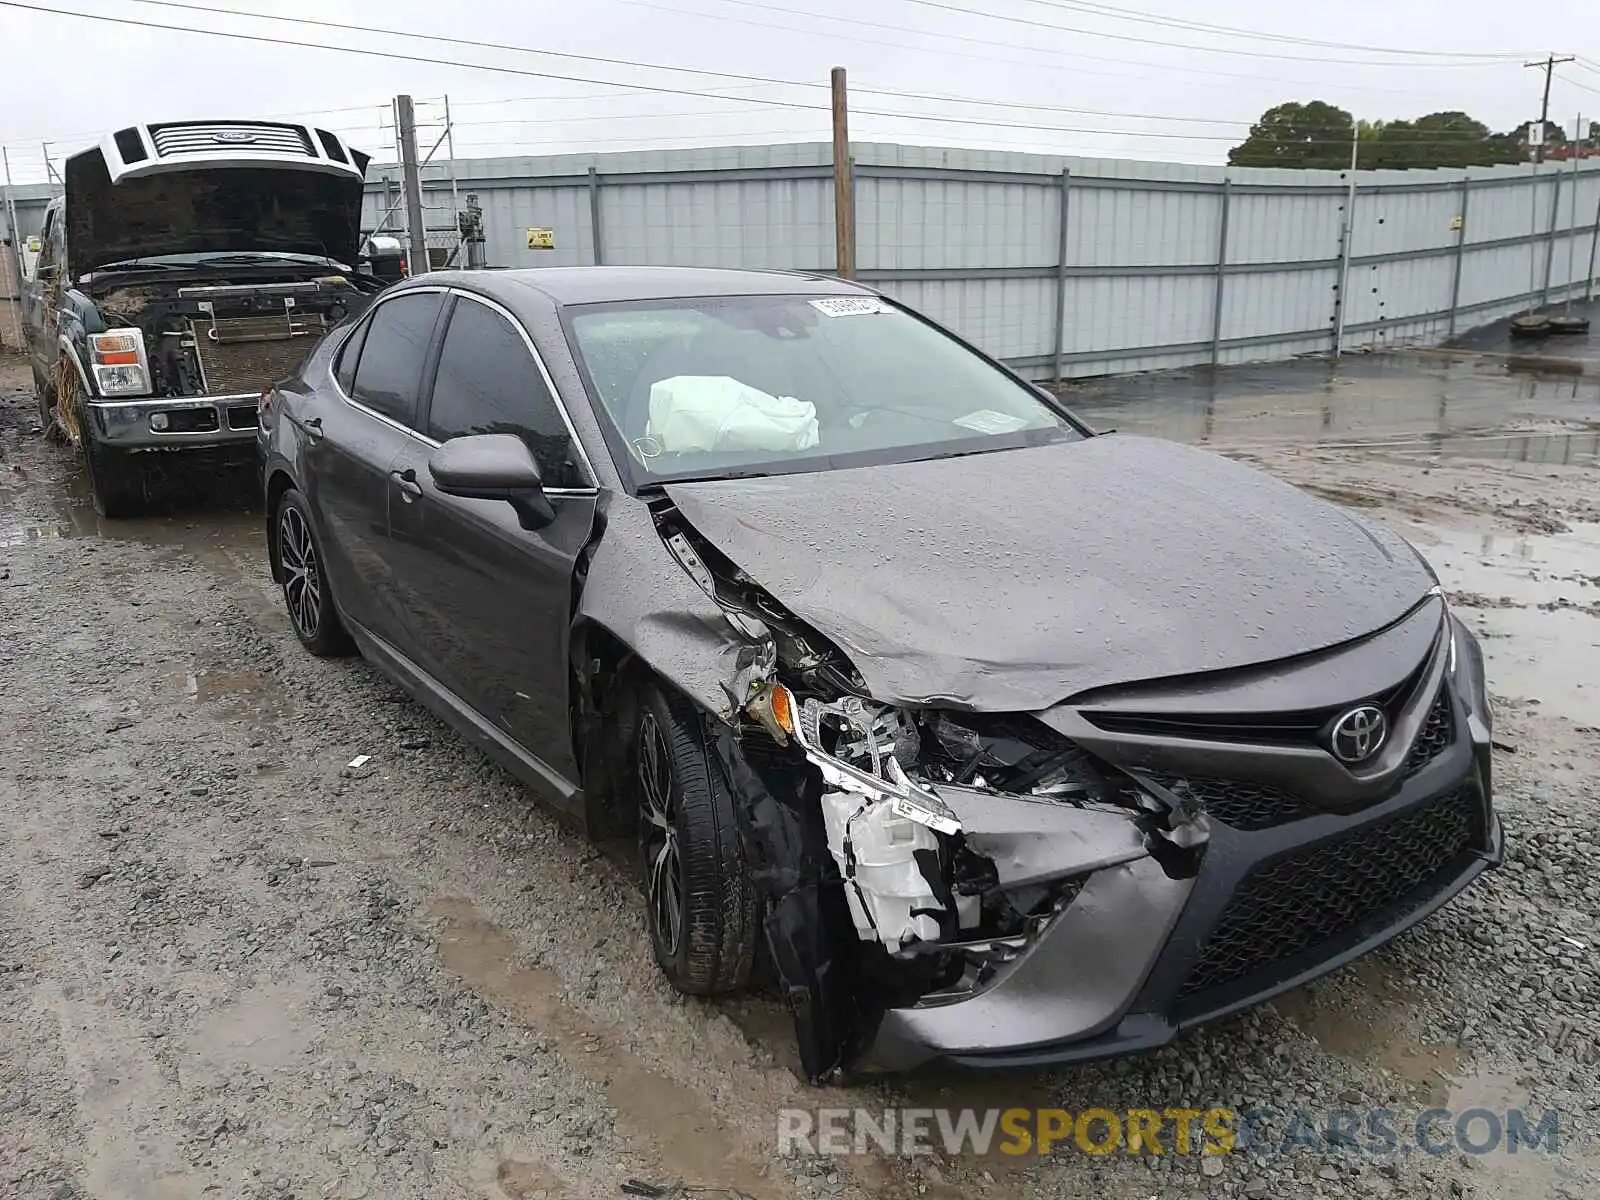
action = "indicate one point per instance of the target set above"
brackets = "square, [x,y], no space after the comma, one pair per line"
[229,969]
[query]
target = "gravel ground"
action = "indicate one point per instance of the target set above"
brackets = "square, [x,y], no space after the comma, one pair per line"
[228,968]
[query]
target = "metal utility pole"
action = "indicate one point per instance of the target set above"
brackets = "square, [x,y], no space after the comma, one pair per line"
[16,280]
[411,177]
[1346,236]
[450,149]
[1548,65]
[844,207]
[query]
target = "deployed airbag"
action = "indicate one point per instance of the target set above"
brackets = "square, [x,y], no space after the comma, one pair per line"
[690,413]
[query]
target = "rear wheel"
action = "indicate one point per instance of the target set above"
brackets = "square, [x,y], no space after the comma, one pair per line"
[305,586]
[701,910]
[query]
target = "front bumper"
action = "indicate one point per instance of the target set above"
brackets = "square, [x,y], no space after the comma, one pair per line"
[1138,957]
[191,420]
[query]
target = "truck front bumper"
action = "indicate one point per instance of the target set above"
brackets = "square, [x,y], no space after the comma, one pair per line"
[188,420]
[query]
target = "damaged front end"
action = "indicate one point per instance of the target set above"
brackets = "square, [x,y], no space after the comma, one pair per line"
[914,858]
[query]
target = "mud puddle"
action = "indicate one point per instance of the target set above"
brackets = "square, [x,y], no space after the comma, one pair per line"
[1534,600]
[687,1137]
[1377,1032]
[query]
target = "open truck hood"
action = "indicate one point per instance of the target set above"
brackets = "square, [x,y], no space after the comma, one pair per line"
[1015,580]
[206,188]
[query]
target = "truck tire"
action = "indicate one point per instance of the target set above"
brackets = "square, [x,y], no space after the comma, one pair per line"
[116,480]
[45,397]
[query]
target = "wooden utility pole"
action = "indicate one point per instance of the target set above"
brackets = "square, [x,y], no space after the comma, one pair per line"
[411,177]
[1548,66]
[844,205]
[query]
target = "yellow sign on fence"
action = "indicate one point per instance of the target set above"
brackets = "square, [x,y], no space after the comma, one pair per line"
[541,239]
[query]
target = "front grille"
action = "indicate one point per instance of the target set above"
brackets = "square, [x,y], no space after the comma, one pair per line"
[209,137]
[1239,804]
[247,367]
[1304,727]
[1435,736]
[1293,904]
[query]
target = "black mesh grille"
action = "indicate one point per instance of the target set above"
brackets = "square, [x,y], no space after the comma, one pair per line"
[1437,732]
[1293,904]
[1242,805]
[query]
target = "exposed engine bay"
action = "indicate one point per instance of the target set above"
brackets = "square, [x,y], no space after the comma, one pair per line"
[955,837]
[210,337]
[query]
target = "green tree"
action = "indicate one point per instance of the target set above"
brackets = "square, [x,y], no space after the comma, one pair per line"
[1441,139]
[1315,134]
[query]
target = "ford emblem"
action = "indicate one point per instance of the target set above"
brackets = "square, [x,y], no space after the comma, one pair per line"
[234,137]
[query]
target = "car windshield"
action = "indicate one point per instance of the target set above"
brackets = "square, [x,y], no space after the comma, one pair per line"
[748,385]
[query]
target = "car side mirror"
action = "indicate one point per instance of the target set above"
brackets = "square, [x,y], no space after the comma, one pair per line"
[493,466]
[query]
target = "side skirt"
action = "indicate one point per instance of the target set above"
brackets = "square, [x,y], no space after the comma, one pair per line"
[565,796]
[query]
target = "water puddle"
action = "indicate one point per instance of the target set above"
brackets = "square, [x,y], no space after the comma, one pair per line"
[688,1138]
[1534,601]
[251,696]
[1436,408]
[1375,1032]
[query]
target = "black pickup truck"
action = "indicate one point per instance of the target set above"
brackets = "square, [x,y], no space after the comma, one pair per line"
[187,267]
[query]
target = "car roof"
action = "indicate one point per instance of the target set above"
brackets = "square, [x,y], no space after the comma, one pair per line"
[599,285]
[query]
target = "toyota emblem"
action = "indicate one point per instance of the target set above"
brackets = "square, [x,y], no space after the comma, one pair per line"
[1359,734]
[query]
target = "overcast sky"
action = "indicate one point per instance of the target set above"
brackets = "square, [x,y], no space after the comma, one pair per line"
[68,79]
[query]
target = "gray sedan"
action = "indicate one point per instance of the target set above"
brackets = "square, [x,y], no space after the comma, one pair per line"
[989,738]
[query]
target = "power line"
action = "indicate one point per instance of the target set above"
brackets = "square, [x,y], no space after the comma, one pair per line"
[1149,18]
[1055,56]
[263,39]
[748,80]
[1128,37]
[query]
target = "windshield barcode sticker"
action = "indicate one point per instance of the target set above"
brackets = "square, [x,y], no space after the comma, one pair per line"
[850,306]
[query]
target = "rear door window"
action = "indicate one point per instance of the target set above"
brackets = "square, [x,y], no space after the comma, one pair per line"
[388,377]
[488,382]
[349,354]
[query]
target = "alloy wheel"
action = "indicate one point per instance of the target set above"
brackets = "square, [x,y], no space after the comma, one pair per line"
[659,836]
[302,580]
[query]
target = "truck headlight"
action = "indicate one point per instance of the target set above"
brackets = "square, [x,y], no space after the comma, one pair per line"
[118,361]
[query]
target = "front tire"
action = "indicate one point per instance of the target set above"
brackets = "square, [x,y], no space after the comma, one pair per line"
[44,396]
[701,910]
[116,481]
[306,594]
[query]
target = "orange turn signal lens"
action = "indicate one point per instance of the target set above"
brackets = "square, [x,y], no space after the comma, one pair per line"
[783,708]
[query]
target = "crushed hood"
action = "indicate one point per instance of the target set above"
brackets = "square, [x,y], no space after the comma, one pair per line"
[1013,581]
[207,210]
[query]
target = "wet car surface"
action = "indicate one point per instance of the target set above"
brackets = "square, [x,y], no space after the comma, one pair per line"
[1129,737]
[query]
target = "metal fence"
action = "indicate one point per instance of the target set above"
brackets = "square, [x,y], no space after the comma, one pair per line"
[1060,266]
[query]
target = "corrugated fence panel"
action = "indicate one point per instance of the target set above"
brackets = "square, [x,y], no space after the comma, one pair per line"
[785,224]
[1263,304]
[1288,228]
[1124,227]
[975,238]
[1131,312]
[509,213]
[932,225]
[1002,316]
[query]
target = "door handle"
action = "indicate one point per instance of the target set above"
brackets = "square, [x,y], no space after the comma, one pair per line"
[313,428]
[406,481]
